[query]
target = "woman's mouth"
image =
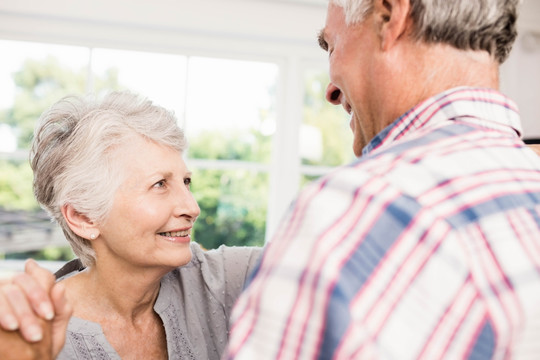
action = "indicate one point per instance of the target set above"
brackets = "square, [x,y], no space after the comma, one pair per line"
[180,236]
[176,233]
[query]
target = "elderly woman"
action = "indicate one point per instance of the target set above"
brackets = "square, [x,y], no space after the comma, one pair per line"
[111,173]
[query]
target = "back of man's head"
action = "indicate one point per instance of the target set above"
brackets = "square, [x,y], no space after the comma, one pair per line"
[488,25]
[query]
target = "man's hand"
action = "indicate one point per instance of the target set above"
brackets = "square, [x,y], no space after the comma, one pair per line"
[14,347]
[29,298]
[535,148]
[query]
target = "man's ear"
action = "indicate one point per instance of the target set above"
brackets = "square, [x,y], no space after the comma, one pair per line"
[79,223]
[394,19]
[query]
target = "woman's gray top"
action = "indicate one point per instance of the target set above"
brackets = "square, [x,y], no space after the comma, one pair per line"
[194,303]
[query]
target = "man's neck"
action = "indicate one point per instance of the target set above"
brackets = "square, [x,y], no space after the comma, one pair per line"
[426,70]
[445,67]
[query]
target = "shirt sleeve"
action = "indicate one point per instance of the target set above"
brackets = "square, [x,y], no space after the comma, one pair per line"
[226,271]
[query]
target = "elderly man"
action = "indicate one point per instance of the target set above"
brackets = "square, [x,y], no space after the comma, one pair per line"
[428,246]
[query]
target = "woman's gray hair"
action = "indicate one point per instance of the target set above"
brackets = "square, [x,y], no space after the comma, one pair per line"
[73,160]
[488,25]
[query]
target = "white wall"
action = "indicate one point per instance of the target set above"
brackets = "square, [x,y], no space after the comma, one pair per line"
[235,26]
[520,74]
[521,81]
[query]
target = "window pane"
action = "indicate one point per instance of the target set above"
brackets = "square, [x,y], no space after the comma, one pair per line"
[233,207]
[230,111]
[160,77]
[16,185]
[32,77]
[25,229]
[325,135]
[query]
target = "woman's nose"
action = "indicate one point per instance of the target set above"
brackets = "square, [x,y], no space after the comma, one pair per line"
[333,94]
[187,205]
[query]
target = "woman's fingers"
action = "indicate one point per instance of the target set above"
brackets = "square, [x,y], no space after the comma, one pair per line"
[43,276]
[24,299]
[37,294]
[8,320]
[63,310]
[29,324]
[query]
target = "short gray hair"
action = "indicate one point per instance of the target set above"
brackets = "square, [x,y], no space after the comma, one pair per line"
[72,154]
[488,25]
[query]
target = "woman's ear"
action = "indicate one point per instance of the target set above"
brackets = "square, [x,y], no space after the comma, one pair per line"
[394,19]
[79,223]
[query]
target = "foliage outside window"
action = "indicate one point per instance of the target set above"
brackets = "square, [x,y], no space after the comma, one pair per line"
[233,207]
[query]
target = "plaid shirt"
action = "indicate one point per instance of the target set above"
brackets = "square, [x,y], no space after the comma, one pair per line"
[427,247]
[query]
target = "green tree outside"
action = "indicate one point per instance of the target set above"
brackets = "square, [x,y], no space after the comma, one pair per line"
[16,186]
[233,207]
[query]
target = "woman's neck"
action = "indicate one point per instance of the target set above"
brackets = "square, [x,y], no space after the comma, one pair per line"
[103,292]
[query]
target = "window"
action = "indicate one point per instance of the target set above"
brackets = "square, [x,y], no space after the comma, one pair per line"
[227,108]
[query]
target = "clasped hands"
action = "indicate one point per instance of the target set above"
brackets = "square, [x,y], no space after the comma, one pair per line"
[34,315]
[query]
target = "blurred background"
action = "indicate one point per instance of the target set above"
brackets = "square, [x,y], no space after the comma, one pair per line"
[245,78]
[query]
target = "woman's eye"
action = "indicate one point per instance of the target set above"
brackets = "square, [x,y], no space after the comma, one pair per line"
[187,181]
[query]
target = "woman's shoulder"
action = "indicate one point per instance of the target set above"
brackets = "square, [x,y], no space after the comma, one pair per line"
[218,266]
[225,250]
[226,256]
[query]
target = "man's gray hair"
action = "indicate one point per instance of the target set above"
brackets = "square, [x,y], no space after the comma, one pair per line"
[73,154]
[488,25]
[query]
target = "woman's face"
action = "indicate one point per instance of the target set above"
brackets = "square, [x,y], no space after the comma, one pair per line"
[153,210]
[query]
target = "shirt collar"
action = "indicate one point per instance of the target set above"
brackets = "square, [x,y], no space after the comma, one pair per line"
[485,107]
